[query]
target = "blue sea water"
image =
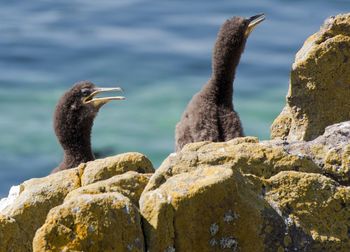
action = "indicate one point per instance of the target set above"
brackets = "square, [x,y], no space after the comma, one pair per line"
[158,51]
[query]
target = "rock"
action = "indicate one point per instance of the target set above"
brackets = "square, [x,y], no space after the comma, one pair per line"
[241,195]
[209,209]
[286,181]
[12,196]
[319,91]
[10,236]
[26,207]
[38,196]
[92,222]
[316,204]
[102,169]
[246,154]
[330,152]
[130,184]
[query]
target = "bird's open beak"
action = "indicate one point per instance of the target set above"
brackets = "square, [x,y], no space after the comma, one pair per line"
[99,101]
[253,22]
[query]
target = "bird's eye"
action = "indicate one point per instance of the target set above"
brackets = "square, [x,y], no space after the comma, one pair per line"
[86,92]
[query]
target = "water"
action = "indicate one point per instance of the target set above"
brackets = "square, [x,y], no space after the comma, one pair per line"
[158,51]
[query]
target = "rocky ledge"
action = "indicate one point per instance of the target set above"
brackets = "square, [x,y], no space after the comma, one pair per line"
[291,193]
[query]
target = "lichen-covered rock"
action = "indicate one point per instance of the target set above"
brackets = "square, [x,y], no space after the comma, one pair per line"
[316,204]
[10,236]
[330,151]
[36,199]
[28,210]
[288,180]
[102,169]
[319,91]
[130,184]
[210,209]
[245,154]
[98,222]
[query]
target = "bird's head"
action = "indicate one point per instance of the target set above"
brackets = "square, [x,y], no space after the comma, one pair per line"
[82,99]
[77,109]
[237,29]
[231,40]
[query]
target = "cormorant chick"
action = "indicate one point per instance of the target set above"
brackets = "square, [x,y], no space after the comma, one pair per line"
[73,120]
[210,115]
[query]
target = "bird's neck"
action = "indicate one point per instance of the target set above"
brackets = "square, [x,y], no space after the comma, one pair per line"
[76,143]
[220,85]
[74,157]
[224,64]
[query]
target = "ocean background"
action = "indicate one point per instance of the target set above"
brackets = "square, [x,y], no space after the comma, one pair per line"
[158,51]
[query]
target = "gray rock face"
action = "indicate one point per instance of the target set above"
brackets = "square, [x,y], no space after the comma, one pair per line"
[330,151]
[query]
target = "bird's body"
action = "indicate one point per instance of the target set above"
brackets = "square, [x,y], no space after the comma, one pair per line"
[73,121]
[210,115]
[207,122]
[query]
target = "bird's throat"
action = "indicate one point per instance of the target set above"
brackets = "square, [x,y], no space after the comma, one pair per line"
[75,140]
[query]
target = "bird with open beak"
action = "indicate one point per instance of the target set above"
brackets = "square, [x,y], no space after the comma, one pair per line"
[73,121]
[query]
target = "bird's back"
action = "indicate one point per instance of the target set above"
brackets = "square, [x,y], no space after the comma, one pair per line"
[206,120]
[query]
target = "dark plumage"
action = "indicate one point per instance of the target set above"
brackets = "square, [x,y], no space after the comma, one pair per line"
[210,115]
[73,120]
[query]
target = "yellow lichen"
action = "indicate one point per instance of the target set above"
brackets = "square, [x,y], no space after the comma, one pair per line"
[319,93]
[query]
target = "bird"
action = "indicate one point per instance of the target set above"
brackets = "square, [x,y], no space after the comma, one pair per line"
[210,115]
[73,120]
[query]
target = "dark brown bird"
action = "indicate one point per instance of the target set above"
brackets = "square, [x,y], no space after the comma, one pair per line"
[73,120]
[210,115]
